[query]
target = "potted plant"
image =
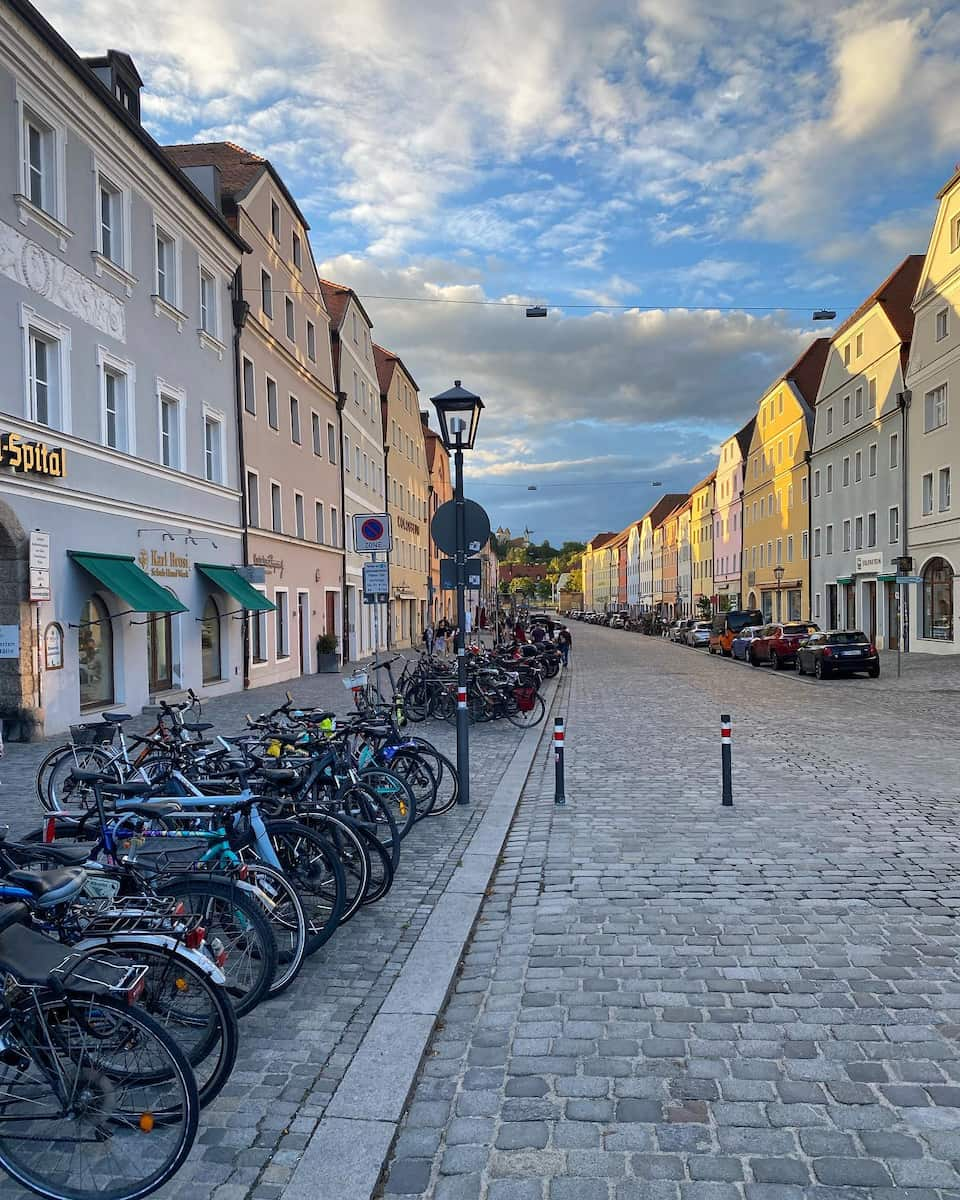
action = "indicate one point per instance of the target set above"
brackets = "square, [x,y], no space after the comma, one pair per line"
[328,660]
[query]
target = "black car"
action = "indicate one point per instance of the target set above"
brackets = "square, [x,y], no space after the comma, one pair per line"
[838,652]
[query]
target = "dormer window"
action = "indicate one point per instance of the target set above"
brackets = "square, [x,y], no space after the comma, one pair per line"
[117,72]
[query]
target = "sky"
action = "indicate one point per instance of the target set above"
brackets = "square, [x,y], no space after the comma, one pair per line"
[712,172]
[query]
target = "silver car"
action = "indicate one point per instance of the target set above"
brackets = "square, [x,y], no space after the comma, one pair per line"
[698,634]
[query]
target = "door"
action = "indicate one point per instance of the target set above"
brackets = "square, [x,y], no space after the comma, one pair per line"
[870,612]
[851,606]
[159,652]
[832,621]
[330,614]
[303,620]
[893,623]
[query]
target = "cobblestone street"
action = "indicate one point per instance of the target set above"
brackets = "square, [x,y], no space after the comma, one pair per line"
[666,1000]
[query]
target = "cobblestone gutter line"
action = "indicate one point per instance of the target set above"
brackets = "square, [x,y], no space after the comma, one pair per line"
[347,1154]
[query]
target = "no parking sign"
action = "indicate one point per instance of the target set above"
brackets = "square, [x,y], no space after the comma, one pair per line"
[372,533]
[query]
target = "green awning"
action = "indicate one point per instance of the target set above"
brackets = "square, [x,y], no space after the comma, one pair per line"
[847,579]
[120,574]
[886,579]
[229,580]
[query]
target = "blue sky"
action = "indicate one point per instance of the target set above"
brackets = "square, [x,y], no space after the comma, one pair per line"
[718,170]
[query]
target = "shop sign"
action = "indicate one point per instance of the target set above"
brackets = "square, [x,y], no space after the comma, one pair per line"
[53,647]
[271,565]
[32,458]
[868,563]
[9,641]
[164,564]
[408,525]
[39,565]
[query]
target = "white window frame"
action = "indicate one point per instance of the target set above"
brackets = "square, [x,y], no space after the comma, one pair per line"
[170,392]
[872,393]
[926,508]
[281,598]
[316,433]
[31,320]
[311,341]
[168,306]
[927,396]
[858,533]
[289,318]
[332,444]
[128,369]
[299,516]
[120,268]
[828,540]
[266,294]
[894,452]
[210,338]
[246,485]
[293,403]
[244,362]
[893,524]
[941,472]
[816,484]
[319,522]
[858,466]
[942,319]
[216,417]
[275,483]
[858,401]
[830,419]
[829,479]
[268,379]
[816,542]
[260,620]
[275,220]
[847,535]
[53,221]
[871,521]
[873,459]
[334,526]
[296,249]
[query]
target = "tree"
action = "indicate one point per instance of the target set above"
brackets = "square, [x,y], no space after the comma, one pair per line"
[544,590]
[575,583]
[522,587]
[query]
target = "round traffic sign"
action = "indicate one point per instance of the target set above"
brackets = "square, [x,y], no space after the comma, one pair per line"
[476,527]
[372,529]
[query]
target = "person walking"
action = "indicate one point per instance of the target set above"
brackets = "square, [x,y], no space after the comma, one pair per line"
[443,632]
[429,637]
[565,642]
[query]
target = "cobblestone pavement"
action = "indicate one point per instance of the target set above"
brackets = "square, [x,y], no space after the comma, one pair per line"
[667,1000]
[296,1048]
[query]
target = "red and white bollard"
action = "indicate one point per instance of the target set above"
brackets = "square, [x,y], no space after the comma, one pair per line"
[726,765]
[559,791]
[461,697]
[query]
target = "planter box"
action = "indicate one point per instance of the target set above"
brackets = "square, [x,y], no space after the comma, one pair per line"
[328,664]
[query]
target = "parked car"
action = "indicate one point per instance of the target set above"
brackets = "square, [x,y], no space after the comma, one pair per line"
[727,625]
[698,634]
[617,622]
[678,630]
[740,645]
[838,652]
[777,644]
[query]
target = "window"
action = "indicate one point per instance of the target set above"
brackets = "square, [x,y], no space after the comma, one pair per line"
[943,489]
[858,534]
[114,409]
[166,268]
[356,461]
[938,600]
[253,499]
[169,431]
[789,548]
[208,303]
[41,165]
[858,466]
[95,652]
[769,552]
[258,637]
[804,545]
[331,443]
[846,355]
[859,345]
[210,641]
[311,341]
[816,605]
[955,234]
[894,451]
[346,453]
[935,408]
[846,471]
[282,618]
[942,324]
[830,419]
[872,459]
[780,451]
[804,493]
[212,448]
[295,420]
[318,514]
[354,335]
[316,434]
[859,402]
[110,221]
[276,507]
[48,375]
[829,539]
[273,414]
[894,524]
[871,529]
[297,250]
[275,220]
[872,393]
[290,319]
[266,294]
[816,484]
[299,524]
[249,387]
[334,526]
[846,410]
[927,487]
[847,541]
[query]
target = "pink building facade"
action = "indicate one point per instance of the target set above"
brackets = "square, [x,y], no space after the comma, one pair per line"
[728,520]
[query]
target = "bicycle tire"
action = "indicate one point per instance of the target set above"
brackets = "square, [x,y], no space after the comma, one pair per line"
[413,768]
[284,910]
[237,921]
[527,720]
[382,873]
[318,878]
[364,807]
[57,792]
[395,792]
[351,850]
[52,1179]
[448,781]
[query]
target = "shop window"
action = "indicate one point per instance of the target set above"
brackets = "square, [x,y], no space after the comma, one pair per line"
[258,637]
[95,652]
[160,652]
[210,642]
[938,600]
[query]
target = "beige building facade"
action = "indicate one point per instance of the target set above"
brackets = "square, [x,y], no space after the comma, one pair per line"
[439,603]
[408,483]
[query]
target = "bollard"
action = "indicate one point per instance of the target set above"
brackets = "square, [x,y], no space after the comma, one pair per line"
[559,792]
[725,759]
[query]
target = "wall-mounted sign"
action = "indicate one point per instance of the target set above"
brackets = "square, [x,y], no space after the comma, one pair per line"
[31,458]
[39,565]
[372,533]
[164,564]
[867,563]
[271,565]
[53,646]
[409,526]
[9,641]
[252,574]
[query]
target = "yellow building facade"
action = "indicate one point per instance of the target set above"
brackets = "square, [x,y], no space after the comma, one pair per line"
[701,541]
[776,500]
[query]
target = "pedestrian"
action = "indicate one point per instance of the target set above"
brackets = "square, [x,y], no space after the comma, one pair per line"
[429,637]
[443,632]
[537,634]
[519,635]
[565,642]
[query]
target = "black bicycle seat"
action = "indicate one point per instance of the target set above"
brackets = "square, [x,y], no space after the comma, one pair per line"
[116,718]
[132,787]
[197,726]
[149,808]
[280,775]
[51,887]
[63,856]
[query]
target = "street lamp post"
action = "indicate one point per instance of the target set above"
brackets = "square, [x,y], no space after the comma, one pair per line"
[458,413]
[778,572]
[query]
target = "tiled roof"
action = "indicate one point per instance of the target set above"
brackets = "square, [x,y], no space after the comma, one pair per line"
[895,297]
[386,364]
[663,507]
[703,482]
[336,297]
[744,437]
[807,371]
[600,539]
[238,167]
[397,361]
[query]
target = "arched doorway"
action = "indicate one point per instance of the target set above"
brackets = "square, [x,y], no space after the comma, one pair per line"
[938,600]
[210,642]
[95,655]
[752,600]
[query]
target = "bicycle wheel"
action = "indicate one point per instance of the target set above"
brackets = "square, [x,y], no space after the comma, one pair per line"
[526,720]
[183,999]
[418,774]
[57,791]
[281,904]
[82,1078]
[352,852]
[395,792]
[311,864]
[364,807]
[236,928]
[381,867]
[445,771]
[416,701]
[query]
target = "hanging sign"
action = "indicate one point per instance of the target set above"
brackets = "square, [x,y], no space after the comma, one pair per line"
[39,565]
[53,647]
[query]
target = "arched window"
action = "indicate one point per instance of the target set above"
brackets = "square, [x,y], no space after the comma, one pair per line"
[210,641]
[95,654]
[938,600]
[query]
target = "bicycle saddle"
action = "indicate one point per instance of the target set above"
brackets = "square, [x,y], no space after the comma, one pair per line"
[48,887]
[280,775]
[116,718]
[197,726]
[63,856]
[149,808]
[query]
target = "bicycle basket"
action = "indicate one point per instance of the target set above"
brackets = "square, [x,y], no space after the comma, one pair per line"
[525,697]
[98,733]
[355,682]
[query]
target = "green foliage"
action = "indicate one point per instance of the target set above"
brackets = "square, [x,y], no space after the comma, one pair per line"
[522,587]
[326,644]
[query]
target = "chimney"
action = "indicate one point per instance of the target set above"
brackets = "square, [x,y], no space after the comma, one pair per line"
[118,74]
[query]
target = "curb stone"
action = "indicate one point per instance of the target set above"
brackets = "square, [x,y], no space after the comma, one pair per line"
[350,1148]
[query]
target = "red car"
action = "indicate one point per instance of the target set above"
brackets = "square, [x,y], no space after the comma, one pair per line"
[777,643]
